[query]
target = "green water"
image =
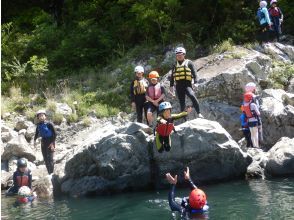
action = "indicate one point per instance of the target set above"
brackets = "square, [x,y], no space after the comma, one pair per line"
[256,199]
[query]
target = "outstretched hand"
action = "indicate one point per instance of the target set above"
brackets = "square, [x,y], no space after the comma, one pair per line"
[171,179]
[187,174]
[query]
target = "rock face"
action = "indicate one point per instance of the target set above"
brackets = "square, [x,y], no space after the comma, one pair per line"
[281,158]
[128,160]
[277,117]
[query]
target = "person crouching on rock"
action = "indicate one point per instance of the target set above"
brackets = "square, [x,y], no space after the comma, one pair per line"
[193,206]
[165,126]
[47,132]
[25,195]
[21,177]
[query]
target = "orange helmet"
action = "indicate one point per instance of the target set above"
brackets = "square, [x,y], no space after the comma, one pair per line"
[153,74]
[197,199]
[248,96]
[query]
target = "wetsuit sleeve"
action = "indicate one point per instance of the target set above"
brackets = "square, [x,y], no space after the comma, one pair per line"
[36,133]
[162,90]
[178,116]
[132,96]
[193,70]
[14,180]
[192,185]
[174,206]
[171,81]
[30,179]
[53,130]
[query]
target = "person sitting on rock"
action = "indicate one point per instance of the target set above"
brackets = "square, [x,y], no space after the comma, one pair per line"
[21,177]
[251,111]
[25,195]
[165,126]
[47,132]
[192,206]
[154,95]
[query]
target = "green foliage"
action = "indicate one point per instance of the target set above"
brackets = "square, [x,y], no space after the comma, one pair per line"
[86,121]
[226,45]
[57,118]
[51,105]
[72,118]
[281,75]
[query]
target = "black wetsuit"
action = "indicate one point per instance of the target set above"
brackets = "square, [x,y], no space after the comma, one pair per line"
[45,143]
[184,87]
[184,208]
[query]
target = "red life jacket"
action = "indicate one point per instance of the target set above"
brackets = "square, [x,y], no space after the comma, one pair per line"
[248,112]
[154,91]
[275,12]
[165,129]
[22,179]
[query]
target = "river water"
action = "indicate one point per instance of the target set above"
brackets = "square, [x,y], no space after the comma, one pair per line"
[255,199]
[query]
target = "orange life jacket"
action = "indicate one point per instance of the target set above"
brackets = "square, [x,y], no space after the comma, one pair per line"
[248,112]
[154,91]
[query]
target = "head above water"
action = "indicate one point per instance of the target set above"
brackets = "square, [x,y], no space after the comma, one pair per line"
[24,191]
[197,199]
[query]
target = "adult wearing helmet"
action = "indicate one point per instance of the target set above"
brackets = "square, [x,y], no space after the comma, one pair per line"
[183,75]
[138,92]
[47,132]
[154,95]
[165,126]
[21,177]
[195,204]
[276,17]
[264,22]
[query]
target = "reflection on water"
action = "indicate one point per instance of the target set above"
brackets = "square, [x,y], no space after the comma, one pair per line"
[256,199]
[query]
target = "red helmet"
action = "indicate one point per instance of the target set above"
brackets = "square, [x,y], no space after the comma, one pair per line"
[248,96]
[197,199]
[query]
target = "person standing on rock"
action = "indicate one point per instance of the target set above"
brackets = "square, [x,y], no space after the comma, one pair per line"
[264,22]
[193,206]
[245,129]
[276,17]
[183,75]
[47,132]
[251,111]
[21,177]
[138,92]
[154,95]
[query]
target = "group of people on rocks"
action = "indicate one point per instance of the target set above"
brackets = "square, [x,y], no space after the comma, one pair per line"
[270,21]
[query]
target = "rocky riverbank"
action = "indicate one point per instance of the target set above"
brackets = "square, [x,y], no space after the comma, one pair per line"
[114,154]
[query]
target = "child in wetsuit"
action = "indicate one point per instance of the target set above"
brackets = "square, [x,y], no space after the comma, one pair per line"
[195,204]
[165,126]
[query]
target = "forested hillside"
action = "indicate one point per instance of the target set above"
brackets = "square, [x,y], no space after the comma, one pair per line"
[75,44]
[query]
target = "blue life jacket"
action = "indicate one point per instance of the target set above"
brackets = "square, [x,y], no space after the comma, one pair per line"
[44,130]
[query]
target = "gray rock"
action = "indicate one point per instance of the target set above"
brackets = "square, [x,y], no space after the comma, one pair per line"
[18,147]
[287,49]
[63,108]
[30,132]
[276,52]
[12,164]
[291,86]
[5,177]
[22,123]
[281,158]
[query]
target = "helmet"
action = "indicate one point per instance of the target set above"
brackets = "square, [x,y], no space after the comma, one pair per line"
[273,1]
[250,87]
[180,50]
[248,96]
[41,111]
[153,74]
[24,191]
[263,4]
[197,199]
[139,69]
[164,105]
[22,162]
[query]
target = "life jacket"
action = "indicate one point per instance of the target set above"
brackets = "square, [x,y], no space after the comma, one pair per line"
[154,91]
[182,71]
[275,12]
[248,112]
[260,14]
[139,87]
[44,130]
[22,179]
[165,129]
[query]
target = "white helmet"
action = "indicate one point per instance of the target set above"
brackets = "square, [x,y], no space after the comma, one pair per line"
[250,87]
[180,50]
[139,69]
[263,4]
[274,1]
[24,191]
[41,111]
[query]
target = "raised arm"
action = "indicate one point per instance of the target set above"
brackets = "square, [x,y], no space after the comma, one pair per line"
[188,178]
[174,206]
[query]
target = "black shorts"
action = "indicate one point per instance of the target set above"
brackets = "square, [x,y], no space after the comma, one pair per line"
[252,124]
[150,107]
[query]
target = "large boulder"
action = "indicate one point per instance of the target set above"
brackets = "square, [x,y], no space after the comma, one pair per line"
[19,147]
[7,133]
[281,158]
[5,179]
[277,117]
[22,123]
[63,108]
[207,148]
[30,132]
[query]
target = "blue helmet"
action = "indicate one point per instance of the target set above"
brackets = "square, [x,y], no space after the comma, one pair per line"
[164,105]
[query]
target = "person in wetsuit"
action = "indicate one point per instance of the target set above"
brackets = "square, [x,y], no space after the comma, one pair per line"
[194,205]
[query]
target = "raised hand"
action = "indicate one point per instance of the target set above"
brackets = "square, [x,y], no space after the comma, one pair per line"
[187,174]
[171,179]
